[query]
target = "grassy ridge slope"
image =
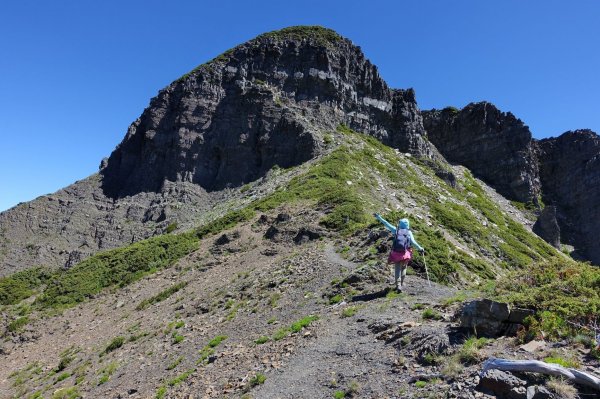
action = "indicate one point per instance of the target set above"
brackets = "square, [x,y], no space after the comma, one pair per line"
[469,239]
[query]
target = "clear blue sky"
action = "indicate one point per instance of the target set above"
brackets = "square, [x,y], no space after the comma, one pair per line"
[74,74]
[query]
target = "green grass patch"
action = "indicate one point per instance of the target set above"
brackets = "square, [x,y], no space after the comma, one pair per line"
[114,268]
[208,350]
[106,372]
[115,344]
[161,296]
[171,227]
[431,314]
[562,362]
[176,324]
[303,323]
[66,393]
[560,290]
[17,324]
[63,377]
[469,352]
[262,340]
[325,185]
[228,221]
[339,394]
[175,363]
[180,378]
[420,384]
[21,285]
[459,297]
[349,311]
[161,392]
[258,379]
[117,267]
[318,34]
[294,327]
[176,338]
[216,341]
[335,299]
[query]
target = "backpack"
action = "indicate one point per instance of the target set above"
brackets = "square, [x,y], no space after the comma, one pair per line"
[401,240]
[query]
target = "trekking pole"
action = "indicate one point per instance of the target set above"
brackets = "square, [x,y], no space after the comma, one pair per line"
[426,272]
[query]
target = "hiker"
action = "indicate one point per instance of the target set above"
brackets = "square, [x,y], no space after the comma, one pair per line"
[401,252]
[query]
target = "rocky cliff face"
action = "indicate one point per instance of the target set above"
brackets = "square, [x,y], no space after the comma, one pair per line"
[65,227]
[263,103]
[570,176]
[266,102]
[564,171]
[495,145]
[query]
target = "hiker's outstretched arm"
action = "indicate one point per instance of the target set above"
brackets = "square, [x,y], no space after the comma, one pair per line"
[387,224]
[414,242]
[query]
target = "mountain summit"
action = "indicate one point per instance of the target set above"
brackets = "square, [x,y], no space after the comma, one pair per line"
[263,103]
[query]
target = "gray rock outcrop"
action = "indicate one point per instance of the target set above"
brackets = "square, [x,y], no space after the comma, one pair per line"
[563,171]
[494,145]
[547,226]
[570,176]
[488,318]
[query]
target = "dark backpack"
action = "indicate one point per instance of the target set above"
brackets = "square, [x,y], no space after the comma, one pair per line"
[401,240]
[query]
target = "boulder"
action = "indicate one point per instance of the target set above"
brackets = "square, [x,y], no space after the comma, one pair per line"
[503,385]
[485,317]
[547,226]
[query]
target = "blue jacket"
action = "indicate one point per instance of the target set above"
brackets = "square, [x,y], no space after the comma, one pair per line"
[403,224]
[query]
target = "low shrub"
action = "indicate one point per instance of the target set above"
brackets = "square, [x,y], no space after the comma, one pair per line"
[115,344]
[161,296]
[469,352]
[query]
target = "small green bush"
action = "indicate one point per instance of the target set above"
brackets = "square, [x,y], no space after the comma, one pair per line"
[469,352]
[66,393]
[171,227]
[216,341]
[335,299]
[177,338]
[339,394]
[562,362]
[175,363]
[180,378]
[302,323]
[294,327]
[262,340]
[115,344]
[161,392]
[209,350]
[21,285]
[18,324]
[349,311]
[431,314]
[420,384]
[561,291]
[107,372]
[161,296]
[258,379]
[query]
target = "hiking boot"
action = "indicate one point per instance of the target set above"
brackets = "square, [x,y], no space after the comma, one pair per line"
[398,288]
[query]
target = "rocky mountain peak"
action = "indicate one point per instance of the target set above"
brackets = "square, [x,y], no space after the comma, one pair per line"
[263,103]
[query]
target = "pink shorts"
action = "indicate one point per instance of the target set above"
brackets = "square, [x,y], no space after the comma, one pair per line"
[398,257]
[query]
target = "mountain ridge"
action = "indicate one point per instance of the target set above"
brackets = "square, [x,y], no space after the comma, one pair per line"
[500,149]
[177,273]
[197,138]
